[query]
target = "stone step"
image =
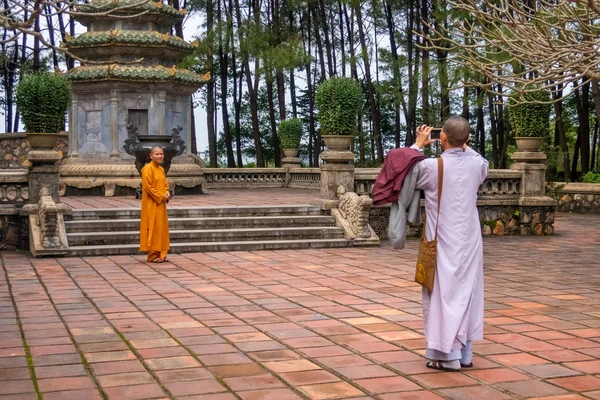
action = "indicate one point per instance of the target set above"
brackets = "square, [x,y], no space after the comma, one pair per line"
[112,225]
[210,235]
[191,247]
[196,212]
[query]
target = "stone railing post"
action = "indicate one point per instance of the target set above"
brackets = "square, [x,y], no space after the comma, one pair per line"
[536,209]
[337,169]
[47,233]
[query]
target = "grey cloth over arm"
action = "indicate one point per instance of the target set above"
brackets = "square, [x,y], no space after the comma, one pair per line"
[409,201]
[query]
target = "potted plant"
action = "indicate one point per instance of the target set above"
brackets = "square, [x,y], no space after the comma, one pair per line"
[43,99]
[529,115]
[290,134]
[338,100]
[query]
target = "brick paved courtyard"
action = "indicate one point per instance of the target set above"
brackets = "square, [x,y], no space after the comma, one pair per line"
[285,325]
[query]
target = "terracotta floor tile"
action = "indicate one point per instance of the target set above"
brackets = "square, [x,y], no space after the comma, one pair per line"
[563,397]
[387,385]
[560,356]
[517,359]
[302,378]
[444,380]
[496,375]
[253,382]
[532,388]
[417,395]
[475,393]
[589,367]
[290,366]
[544,371]
[338,390]
[125,379]
[578,383]
[188,388]
[269,394]
[364,371]
[229,371]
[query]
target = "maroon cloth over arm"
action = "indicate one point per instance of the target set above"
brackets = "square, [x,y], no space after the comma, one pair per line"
[398,163]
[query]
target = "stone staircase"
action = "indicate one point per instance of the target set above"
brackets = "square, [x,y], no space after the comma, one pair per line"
[111,231]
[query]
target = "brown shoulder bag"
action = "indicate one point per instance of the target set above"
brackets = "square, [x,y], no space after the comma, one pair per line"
[427,258]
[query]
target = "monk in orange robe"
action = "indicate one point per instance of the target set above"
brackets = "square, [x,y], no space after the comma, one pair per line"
[154,225]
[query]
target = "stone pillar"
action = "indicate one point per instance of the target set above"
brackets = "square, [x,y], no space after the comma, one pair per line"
[162,113]
[337,169]
[73,138]
[47,233]
[290,159]
[43,172]
[536,210]
[114,126]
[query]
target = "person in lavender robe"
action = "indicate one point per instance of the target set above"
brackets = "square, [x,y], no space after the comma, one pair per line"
[453,311]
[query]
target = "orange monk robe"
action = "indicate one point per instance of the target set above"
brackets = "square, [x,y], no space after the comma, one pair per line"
[154,225]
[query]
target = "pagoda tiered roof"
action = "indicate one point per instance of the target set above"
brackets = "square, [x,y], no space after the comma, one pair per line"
[136,73]
[129,38]
[88,12]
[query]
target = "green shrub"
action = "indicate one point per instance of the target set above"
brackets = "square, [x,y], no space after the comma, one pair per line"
[290,133]
[339,101]
[529,117]
[591,177]
[43,99]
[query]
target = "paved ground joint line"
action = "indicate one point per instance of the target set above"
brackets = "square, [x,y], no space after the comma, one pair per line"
[30,365]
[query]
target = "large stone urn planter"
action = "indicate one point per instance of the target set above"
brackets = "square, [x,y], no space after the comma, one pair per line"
[147,142]
[529,143]
[44,141]
[338,142]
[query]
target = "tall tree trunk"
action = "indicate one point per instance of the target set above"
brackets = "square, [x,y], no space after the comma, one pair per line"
[317,33]
[36,48]
[413,53]
[425,66]
[50,25]
[342,47]
[313,139]
[375,119]
[596,93]
[210,89]
[559,126]
[223,65]
[585,131]
[252,86]
[324,24]
[272,119]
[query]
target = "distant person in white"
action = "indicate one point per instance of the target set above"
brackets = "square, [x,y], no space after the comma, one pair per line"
[453,311]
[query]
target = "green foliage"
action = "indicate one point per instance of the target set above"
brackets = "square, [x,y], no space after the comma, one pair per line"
[592,177]
[290,133]
[43,99]
[339,101]
[530,114]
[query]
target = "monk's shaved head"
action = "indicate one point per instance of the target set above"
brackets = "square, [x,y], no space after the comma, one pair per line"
[457,130]
[155,148]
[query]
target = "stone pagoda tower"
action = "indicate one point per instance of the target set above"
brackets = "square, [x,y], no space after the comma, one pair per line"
[138,90]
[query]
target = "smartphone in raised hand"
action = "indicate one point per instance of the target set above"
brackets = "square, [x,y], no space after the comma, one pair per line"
[435,133]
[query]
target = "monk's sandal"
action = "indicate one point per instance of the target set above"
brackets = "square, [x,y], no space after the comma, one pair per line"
[448,366]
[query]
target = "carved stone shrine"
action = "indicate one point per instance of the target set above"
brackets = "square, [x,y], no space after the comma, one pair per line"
[138,91]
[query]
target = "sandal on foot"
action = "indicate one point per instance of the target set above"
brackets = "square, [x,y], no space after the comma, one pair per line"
[439,365]
[157,260]
[469,365]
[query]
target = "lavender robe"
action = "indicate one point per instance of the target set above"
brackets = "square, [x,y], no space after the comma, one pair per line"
[453,313]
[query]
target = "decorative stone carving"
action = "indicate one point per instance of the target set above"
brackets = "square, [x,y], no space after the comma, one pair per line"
[352,214]
[47,232]
[177,141]
[48,220]
[132,139]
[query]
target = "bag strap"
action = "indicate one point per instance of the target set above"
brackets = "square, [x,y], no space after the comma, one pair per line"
[440,186]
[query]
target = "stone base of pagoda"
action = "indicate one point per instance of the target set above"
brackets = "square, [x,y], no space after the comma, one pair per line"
[118,177]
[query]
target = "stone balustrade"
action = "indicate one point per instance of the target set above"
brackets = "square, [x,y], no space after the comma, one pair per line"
[14,193]
[581,198]
[14,148]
